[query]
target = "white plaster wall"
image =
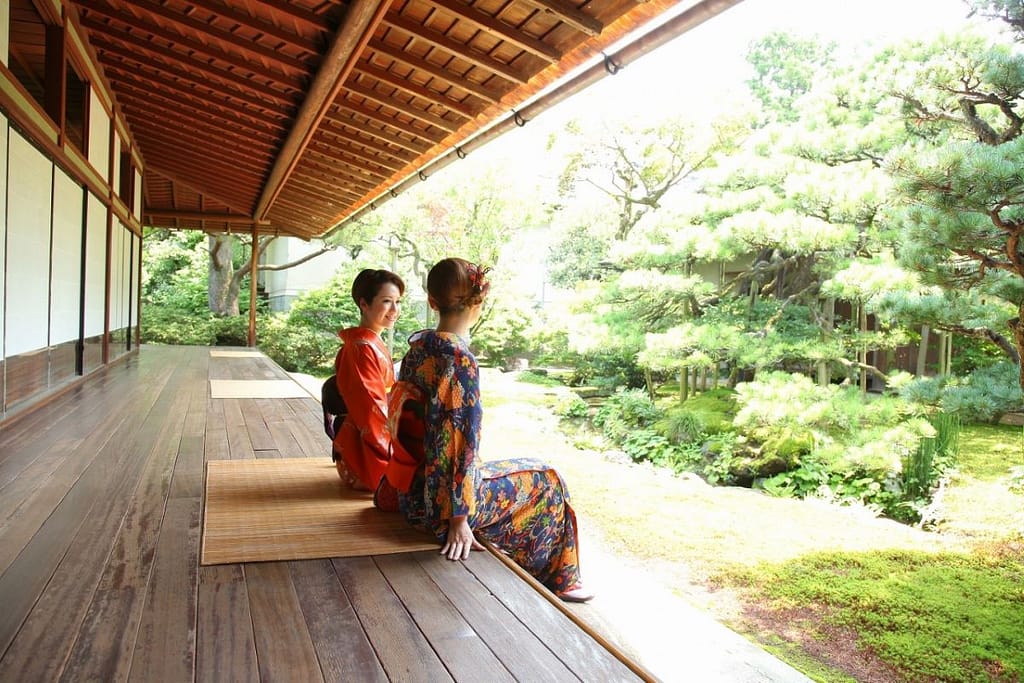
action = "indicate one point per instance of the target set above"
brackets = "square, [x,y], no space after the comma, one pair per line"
[115,173]
[124,266]
[99,135]
[66,283]
[28,248]
[95,266]
[138,195]
[3,216]
[5,27]
[133,302]
[285,285]
[116,277]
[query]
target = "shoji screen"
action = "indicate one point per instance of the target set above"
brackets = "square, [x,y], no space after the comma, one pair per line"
[66,276]
[95,281]
[26,314]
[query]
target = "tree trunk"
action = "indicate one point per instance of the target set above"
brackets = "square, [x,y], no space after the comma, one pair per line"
[922,351]
[862,354]
[1017,328]
[828,310]
[949,355]
[222,290]
[684,384]
[943,340]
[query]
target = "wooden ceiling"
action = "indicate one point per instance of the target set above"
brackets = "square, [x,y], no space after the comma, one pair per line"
[293,114]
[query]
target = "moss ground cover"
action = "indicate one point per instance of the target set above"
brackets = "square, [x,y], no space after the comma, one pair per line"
[936,617]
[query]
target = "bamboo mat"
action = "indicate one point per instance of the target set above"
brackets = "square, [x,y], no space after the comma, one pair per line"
[256,388]
[294,509]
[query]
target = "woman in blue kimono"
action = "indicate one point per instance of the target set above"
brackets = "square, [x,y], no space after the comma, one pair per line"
[519,505]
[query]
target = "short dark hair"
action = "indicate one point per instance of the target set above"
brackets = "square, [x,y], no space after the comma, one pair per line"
[455,284]
[369,281]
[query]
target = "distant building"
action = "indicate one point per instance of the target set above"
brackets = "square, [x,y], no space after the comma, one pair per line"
[282,287]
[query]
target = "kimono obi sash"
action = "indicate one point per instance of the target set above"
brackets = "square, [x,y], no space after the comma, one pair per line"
[406,408]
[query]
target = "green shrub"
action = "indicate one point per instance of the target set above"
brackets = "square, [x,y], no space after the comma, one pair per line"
[298,348]
[983,396]
[623,412]
[719,454]
[608,370]
[231,331]
[501,334]
[572,406]
[649,445]
[836,444]
[540,377]
[163,325]
[681,425]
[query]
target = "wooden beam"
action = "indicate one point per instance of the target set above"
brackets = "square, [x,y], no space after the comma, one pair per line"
[342,151]
[359,109]
[184,67]
[194,26]
[294,82]
[568,14]
[403,108]
[218,116]
[454,80]
[498,29]
[175,178]
[315,186]
[360,22]
[233,218]
[374,143]
[207,92]
[203,147]
[298,14]
[404,84]
[250,137]
[464,52]
[226,11]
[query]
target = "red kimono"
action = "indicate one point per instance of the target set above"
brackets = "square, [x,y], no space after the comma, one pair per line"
[365,374]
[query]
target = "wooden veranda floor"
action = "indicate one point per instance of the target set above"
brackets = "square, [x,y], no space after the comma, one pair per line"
[100,520]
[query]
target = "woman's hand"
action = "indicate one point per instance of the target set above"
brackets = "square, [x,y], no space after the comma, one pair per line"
[460,539]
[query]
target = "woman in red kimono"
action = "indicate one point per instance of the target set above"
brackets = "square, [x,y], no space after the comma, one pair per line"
[365,373]
[520,505]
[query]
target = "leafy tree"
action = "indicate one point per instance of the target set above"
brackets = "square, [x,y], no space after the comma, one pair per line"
[961,191]
[785,68]
[580,255]
[229,266]
[636,168]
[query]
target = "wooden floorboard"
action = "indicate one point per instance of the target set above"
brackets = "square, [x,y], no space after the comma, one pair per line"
[465,655]
[344,651]
[101,495]
[225,644]
[518,648]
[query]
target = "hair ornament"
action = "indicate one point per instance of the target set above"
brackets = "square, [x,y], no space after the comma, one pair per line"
[478,277]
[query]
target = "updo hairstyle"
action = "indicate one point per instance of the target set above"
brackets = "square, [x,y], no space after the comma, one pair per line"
[455,284]
[368,283]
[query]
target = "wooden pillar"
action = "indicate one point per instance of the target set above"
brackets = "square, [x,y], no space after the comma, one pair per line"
[922,352]
[55,77]
[253,271]
[108,283]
